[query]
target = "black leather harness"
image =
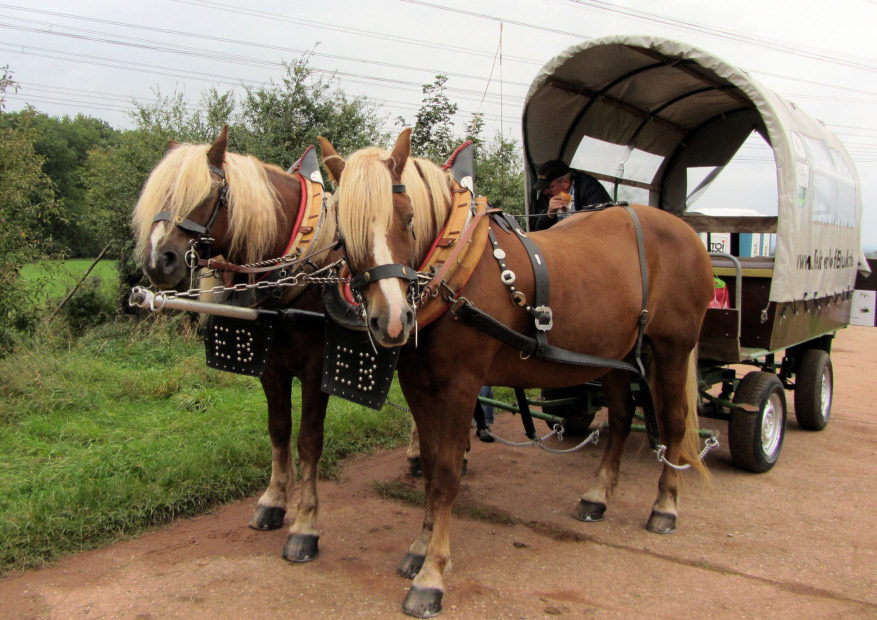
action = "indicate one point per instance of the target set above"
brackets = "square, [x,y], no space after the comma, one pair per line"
[538,346]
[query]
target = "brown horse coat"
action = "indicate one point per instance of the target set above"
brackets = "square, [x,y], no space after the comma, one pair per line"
[596,297]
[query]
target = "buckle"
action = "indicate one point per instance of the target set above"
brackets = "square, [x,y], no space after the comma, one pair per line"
[544,318]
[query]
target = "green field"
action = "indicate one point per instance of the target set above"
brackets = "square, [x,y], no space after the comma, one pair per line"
[57,278]
[125,428]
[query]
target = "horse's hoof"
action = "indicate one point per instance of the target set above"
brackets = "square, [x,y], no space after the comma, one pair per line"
[301,548]
[423,602]
[414,467]
[589,512]
[661,523]
[410,565]
[267,518]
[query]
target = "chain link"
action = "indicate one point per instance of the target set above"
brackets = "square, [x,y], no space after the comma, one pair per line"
[399,407]
[711,442]
[556,431]
[298,279]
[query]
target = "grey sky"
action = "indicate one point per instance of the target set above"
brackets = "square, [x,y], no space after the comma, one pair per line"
[95,57]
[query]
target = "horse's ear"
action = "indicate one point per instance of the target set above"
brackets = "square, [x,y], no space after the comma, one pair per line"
[331,159]
[216,154]
[400,154]
[172,144]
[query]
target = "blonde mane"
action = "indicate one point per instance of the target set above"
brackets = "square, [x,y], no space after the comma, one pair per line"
[182,180]
[365,199]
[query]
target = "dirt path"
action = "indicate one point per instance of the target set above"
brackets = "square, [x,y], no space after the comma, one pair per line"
[797,542]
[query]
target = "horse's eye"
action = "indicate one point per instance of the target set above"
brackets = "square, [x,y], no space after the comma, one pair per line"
[411,227]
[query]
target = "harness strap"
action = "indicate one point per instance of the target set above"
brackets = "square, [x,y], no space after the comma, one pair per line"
[651,416]
[381,272]
[188,225]
[541,283]
[539,346]
[184,223]
[530,346]
[459,246]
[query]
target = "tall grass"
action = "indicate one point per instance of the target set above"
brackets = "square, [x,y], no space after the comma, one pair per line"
[126,428]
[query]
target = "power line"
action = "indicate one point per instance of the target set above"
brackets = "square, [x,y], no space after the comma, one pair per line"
[349,77]
[121,40]
[865,64]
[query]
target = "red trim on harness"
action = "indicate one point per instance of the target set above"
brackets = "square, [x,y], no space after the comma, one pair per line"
[445,309]
[433,248]
[297,165]
[302,207]
[301,214]
[450,161]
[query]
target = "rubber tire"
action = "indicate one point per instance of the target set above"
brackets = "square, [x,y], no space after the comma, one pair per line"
[765,391]
[577,419]
[814,389]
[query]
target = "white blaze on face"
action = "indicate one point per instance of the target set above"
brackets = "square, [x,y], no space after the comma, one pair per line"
[390,288]
[158,233]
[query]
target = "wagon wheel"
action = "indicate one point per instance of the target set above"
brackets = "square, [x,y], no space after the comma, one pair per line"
[814,388]
[577,416]
[756,437]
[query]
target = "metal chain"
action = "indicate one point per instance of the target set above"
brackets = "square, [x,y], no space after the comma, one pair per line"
[399,407]
[711,442]
[297,279]
[593,438]
[558,431]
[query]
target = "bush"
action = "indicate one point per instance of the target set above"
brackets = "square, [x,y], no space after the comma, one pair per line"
[90,306]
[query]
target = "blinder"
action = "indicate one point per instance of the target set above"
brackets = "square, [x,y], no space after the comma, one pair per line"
[203,240]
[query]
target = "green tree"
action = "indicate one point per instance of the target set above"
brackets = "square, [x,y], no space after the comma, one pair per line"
[277,122]
[114,176]
[433,134]
[64,144]
[26,203]
[175,118]
[499,173]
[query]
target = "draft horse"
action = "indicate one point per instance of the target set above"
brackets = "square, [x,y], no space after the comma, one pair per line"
[596,298]
[202,201]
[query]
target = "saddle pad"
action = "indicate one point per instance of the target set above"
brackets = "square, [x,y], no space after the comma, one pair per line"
[238,345]
[352,369]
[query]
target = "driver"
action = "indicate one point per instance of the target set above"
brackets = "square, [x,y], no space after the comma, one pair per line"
[563,190]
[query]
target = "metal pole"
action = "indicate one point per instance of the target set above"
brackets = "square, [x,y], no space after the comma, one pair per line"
[143,298]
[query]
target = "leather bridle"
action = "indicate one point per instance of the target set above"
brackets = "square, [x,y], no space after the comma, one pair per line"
[203,241]
[381,272]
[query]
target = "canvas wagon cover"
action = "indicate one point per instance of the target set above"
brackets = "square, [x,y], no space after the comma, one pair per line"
[695,110]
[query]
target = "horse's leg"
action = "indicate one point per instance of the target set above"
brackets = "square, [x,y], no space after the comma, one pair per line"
[444,438]
[676,388]
[271,509]
[301,545]
[415,468]
[413,560]
[616,386]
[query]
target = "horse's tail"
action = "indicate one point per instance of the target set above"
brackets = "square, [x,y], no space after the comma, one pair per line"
[690,448]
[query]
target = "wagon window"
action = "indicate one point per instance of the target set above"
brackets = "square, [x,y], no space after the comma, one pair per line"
[831,183]
[745,185]
[631,169]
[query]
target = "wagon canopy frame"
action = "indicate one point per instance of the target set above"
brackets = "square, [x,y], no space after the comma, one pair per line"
[693,109]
